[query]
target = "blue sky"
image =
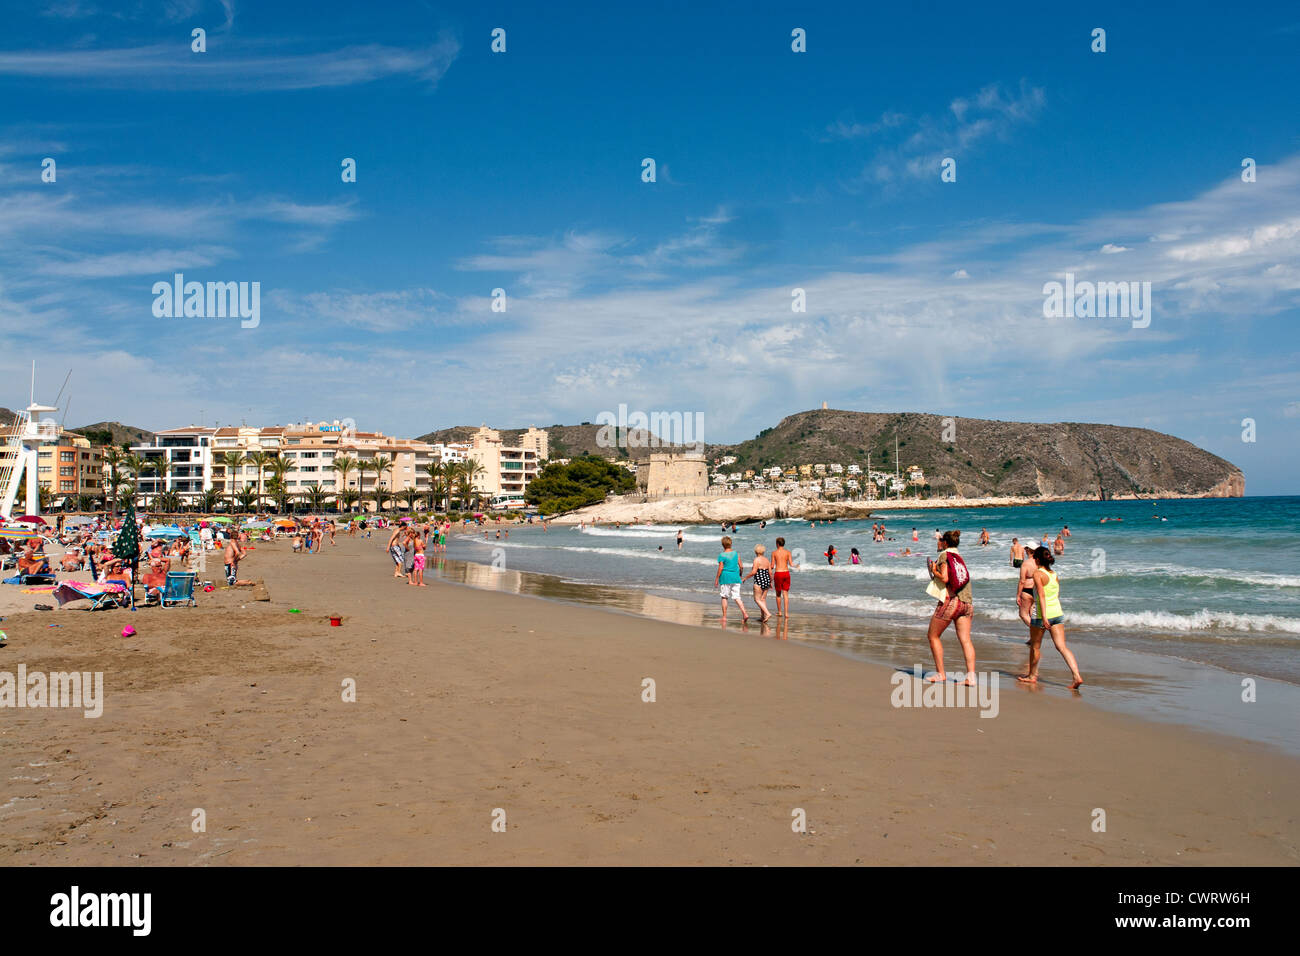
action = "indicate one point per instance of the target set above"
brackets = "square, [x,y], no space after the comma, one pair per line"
[776,171]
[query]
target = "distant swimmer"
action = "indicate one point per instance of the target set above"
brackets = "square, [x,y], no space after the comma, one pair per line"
[915,537]
[1065,532]
[984,538]
[1017,553]
[679,540]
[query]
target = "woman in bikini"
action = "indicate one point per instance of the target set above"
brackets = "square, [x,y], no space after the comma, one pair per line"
[1049,617]
[762,575]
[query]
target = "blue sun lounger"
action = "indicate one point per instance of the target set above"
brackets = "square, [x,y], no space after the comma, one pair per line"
[179,589]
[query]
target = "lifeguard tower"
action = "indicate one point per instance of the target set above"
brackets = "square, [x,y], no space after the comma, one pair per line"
[19,452]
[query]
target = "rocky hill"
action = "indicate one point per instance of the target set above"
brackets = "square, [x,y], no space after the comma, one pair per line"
[114,433]
[986,458]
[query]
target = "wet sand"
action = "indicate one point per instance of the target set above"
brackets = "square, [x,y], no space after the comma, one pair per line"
[468,701]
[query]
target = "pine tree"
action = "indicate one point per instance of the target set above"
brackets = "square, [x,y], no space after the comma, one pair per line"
[127,545]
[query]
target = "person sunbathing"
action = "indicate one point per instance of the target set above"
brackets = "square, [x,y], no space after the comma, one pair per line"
[71,561]
[32,561]
[155,578]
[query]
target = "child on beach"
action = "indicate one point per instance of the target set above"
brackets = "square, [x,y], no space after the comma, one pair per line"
[762,575]
[417,562]
[830,554]
[1048,616]
[854,557]
[727,580]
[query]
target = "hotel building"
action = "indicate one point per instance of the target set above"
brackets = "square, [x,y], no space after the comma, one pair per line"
[69,467]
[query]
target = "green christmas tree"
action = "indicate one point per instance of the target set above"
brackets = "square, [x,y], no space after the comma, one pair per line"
[127,545]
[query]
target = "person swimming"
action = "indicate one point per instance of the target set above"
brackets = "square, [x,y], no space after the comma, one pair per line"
[830,554]
[854,556]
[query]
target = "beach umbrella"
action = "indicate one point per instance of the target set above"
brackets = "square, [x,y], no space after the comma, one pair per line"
[79,520]
[32,519]
[127,545]
[284,523]
[220,519]
[18,534]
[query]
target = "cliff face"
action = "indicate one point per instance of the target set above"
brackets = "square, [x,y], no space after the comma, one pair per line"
[974,457]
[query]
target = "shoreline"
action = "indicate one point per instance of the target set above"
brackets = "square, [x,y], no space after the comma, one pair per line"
[1185,693]
[469,701]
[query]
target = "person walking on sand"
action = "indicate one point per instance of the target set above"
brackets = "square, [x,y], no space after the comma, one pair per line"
[395,550]
[1025,585]
[782,562]
[1049,617]
[762,575]
[956,604]
[727,580]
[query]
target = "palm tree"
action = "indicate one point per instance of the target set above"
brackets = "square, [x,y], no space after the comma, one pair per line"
[383,466]
[363,466]
[279,493]
[279,467]
[343,465]
[114,459]
[347,498]
[259,459]
[471,469]
[380,494]
[315,496]
[435,470]
[207,500]
[231,460]
[411,496]
[248,498]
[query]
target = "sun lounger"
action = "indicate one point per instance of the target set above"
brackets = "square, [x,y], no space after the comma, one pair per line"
[179,589]
[99,595]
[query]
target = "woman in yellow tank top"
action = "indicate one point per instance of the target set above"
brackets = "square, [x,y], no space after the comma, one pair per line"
[1048,616]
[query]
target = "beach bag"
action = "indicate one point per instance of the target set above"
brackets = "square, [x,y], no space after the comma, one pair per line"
[958,573]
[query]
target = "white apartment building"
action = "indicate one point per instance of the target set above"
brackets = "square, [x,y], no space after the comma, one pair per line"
[508,469]
[188,452]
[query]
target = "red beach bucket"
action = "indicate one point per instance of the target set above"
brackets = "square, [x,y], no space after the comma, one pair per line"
[336,621]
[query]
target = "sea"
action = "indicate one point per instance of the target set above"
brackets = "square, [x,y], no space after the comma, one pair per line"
[1182,609]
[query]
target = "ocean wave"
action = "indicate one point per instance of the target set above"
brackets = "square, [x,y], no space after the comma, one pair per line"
[1203,620]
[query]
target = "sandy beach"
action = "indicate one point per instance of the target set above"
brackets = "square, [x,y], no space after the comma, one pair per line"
[468,701]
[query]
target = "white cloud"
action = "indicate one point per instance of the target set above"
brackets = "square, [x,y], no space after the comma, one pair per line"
[173,66]
[1111,249]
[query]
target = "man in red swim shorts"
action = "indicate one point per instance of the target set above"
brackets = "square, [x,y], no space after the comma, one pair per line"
[782,562]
